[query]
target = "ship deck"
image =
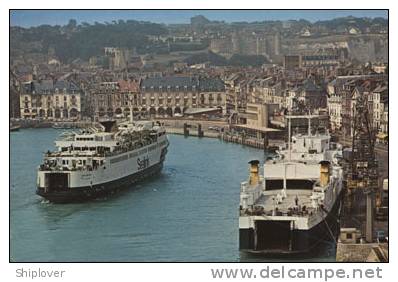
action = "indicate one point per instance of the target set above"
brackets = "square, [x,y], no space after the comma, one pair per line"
[268,200]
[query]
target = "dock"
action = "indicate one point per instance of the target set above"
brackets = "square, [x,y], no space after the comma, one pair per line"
[247,141]
[194,133]
[372,252]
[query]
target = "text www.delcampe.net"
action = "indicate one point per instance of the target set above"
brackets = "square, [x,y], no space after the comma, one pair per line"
[324,274]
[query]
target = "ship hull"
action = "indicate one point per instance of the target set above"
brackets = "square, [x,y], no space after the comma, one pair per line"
[288,242]
[15,128]
[86,193]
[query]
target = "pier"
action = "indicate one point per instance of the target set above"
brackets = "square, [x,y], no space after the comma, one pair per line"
[180,131]
[256,137]
[227,136]
[247,141]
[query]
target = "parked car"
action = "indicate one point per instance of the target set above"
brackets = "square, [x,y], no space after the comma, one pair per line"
[215,128]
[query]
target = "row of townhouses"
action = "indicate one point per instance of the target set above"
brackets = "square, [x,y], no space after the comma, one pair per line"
[343,93]
[50,99]
[153,96]
[170,95]
[158,96]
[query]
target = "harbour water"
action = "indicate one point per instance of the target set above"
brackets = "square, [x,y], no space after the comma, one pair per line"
[187,213]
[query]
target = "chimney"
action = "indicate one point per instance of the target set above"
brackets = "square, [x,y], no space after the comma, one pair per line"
[254,172]
[325,173]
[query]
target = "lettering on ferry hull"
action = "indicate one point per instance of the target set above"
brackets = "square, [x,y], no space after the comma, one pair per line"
[143,163]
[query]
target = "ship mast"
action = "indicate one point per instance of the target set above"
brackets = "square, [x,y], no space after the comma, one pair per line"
[131,110]
[289,137]
[290,156]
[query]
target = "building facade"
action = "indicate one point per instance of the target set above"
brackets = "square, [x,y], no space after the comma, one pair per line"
[53,100]
[292,62]
[167,96]
[157,96]
[115,99]
[343,93]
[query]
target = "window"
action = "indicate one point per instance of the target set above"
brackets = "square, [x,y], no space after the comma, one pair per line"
[349,235]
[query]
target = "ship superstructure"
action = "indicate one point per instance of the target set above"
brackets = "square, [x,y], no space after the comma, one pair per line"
[294,206]
[101,160]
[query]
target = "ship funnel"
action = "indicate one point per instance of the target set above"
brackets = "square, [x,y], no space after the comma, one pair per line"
[325,173]
[254,172]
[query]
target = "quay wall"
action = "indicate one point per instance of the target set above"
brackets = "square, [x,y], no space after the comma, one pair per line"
[180,131]
[47,124]
[226,137]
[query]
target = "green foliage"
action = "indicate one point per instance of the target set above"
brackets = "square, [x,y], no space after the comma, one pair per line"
[211,57]
[86,40]
[346,22]
[187,46]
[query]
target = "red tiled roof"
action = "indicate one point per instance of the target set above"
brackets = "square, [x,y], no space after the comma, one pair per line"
[129,86]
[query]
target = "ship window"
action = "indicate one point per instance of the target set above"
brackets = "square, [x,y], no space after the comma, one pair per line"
[300,184]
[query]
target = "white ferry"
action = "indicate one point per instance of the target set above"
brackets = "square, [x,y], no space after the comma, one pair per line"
[295,205]
[101,160]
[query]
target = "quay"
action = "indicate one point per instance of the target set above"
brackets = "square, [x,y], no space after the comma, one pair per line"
[233,138]
[29,123]
[244,135]
[251,142]
[180,131]
[366,252]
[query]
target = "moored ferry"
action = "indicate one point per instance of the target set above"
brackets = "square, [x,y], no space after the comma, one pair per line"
[101,160]
[294,205]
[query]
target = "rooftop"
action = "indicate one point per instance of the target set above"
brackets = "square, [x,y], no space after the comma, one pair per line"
[171,82]
[49,86]
[176,83]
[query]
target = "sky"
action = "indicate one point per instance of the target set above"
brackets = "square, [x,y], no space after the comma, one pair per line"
[28,18]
